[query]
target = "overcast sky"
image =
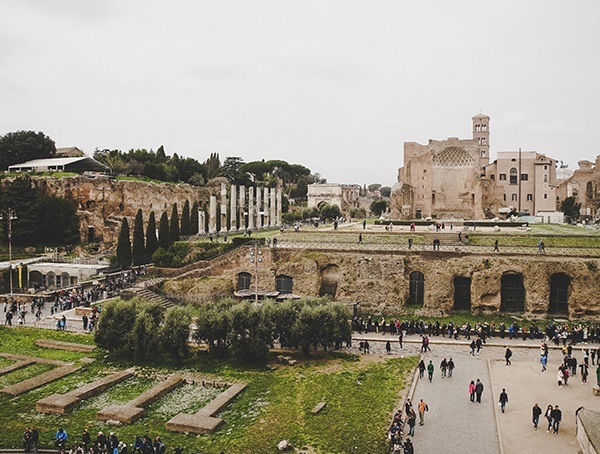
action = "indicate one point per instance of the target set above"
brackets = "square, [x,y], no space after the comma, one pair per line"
[337,86]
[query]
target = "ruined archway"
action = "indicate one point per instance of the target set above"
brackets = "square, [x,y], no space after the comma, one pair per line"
[284,284]
[462,293]
[512,293]
[416,288]
[330,278]
[243,280]
[559,293]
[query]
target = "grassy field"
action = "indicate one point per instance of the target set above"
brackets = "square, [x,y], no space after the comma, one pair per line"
[276,405]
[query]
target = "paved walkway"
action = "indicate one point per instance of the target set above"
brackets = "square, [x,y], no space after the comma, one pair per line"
[454,424]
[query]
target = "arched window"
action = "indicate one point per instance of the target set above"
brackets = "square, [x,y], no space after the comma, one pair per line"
[559,293]
[512,293]
[65,280]
[513,175]
[462,293]
[50,280]
[416,288]
[36,279]
[243,281]
[284,284]
[330,276]
[589,190]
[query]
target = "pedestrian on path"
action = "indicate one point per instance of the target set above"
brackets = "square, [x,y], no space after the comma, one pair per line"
[584,373]
[478,390]
[423,407]
[503,400]
[496,246]
[478,344]
[408,447]
[388,347]
[450,367]
[430,370]
[400,338]
[544,361]
[507,356]
[472,391]
[444,367]
[421,369]
[366,347]
[536,412]
[556,418]
[472,347]
[598,373]
[548,416]
[412,420]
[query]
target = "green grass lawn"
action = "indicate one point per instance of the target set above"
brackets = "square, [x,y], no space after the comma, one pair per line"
[276,405]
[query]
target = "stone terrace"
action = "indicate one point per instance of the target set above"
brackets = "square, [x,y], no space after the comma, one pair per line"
[134,410]
[65,403]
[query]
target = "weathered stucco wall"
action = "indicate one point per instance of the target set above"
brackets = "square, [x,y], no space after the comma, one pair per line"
[380,281]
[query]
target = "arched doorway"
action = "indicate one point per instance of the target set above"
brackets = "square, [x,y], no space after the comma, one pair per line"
[462,293]
[36,280]
[416,288]
[284,284]
[50,280]
[243,281]
[330,277]
[559,293]
[512,293]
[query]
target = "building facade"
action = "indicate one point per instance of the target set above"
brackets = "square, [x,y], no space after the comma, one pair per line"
[345,196]
[584,186]
[454,178]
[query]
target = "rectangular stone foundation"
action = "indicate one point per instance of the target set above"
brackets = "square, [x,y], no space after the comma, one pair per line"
[16,366]
[39,380]
[70,346]
[203,421]
[65,403]
[134,410]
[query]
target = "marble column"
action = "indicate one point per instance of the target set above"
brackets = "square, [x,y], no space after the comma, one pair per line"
[242,207]
[201,222]
[266,222]
[251,208]
[233,209]
[259,218]
[279,209]
[212,218]
[272,217]
[223,229]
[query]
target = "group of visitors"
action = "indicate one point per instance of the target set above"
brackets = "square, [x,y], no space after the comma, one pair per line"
[102,444]
[399,445]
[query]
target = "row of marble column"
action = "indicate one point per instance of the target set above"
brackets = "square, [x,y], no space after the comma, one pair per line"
[263,210]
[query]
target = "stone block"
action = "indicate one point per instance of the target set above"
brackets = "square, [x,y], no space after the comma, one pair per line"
[59,404]
[70,346]
[39,380]
[123,413]
[197,424]
[318,407]
[596,390]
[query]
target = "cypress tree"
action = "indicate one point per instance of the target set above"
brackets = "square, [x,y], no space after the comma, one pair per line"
[163,232]
[151,240]
[185,219]
[174,225]
[124,246]
[194,219]
[139,249]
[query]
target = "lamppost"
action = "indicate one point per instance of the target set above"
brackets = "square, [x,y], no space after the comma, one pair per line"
[256,258]
[10,215]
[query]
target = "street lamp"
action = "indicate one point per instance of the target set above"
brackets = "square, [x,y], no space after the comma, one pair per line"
[256,258]
[10,215]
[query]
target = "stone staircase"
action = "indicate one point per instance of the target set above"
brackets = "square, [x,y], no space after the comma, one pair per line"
[144,290]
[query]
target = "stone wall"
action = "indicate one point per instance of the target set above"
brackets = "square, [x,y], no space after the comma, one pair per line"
[103,202]
[380,281]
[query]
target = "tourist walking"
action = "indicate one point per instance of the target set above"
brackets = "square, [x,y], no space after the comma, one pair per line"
[444,367]
[400,338]
[556,418]
[548,416]
[360,238]
[496,246]
[584,373]
[430,370]
[503,400]
[388,347]
[450,367]
[412,420]
[598,373]
[421,369]
[544,361]
[472,347]
[408,447]
[478,344]
[472,391]
[478,390]
[507,356]
[423,407]
[536,412]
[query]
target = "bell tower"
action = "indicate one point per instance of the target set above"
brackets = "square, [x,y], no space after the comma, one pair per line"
[481,135]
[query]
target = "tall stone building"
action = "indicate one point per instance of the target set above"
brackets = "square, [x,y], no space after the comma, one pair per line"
[584,185]
[454,178]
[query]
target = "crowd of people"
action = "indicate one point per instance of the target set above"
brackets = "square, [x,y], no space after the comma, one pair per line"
[101,444]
